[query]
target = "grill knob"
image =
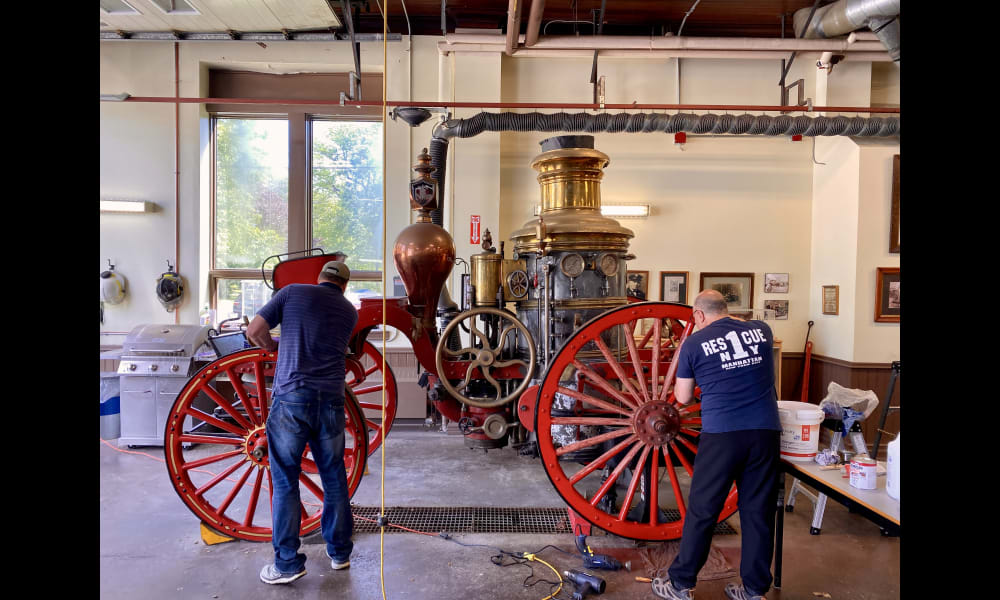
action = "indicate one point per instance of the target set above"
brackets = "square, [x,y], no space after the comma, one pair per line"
[131,367]
[152,367]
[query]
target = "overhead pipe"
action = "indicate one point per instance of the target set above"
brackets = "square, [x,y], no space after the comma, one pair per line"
[534,22]
[876,56]
[672,42]
[846,16]
[177,168]
[513,26]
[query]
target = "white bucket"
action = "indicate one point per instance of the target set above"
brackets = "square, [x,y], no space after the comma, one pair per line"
[892,477]
[799,429]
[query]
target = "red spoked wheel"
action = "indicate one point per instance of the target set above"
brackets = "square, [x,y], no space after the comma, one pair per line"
[366,379]
[221,413]
[606,406]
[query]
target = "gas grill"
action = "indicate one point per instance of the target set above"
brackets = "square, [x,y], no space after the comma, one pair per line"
[156,362]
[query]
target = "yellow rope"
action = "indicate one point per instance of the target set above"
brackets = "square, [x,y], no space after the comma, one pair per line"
[381,537]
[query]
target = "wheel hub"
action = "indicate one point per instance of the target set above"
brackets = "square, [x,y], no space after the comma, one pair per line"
[656,423]
[255,447]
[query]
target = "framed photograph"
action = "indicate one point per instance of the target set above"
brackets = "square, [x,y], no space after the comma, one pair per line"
[674,286]
[887,295]
[637,285]
[736,288]
[780,308]
[894,211]
[831,299]
[775,283]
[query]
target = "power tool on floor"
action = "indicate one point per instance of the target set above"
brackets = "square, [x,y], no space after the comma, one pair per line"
[584,583]
[598,561]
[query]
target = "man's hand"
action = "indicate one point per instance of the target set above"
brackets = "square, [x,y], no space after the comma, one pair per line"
[259,334]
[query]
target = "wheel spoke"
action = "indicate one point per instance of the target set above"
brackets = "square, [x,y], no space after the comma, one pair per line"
[674,483]
[691,421]
[191,438]
[593,441]
[367,390]
[656,357]
[201,462]
[691,432]
[687,444]
[513,361]
[311,486]
[633,353]
[684,461]
[654,485]
[236,489]
[592,401]
[237,383]
[686,410]
[204,416]
[617,368]
[254,496]
[494,383]
[668,381]
[215,480]
[601,460]
[613,477]
[482,336]
[308,463]
[225,404]
[590,421]
[600,383]
[635,482]
[376,367]
[258,370]
[461,352]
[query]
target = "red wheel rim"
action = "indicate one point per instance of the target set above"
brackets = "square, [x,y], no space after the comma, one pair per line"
[623,394]
[366,379]
[220,478]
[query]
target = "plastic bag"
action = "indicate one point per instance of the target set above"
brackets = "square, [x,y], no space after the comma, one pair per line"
[847,405]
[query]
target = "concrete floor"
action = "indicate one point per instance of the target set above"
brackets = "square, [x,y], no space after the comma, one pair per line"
[151,547]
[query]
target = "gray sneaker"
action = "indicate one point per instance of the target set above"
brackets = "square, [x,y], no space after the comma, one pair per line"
[271,574]
[738,592]
[663,588]
[337,565]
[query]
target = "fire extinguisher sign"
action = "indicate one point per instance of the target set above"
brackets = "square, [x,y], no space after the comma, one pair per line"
[474,229]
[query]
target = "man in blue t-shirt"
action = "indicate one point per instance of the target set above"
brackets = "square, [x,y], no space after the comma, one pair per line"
[731,360]
[307,406]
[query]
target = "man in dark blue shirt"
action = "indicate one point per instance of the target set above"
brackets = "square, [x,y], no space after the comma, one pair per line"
[308,407]
[731,360]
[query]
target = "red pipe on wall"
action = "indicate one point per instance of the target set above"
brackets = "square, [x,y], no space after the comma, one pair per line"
[438,103]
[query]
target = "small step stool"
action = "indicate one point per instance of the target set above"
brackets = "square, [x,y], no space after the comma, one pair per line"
[818,500]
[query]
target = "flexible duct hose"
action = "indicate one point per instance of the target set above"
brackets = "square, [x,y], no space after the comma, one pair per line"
[744,124]
[439,155]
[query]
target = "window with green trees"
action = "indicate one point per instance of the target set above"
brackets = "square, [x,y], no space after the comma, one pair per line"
[254,211]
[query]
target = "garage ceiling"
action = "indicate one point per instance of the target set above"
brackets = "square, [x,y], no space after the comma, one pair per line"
[718,18]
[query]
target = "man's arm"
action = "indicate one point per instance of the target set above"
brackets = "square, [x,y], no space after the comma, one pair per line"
[259,333]
[684,389]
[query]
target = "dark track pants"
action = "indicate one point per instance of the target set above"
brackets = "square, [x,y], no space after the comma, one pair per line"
[750,459]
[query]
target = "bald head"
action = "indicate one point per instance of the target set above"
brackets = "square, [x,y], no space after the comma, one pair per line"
[712,303]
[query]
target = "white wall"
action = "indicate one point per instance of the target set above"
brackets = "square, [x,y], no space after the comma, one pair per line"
[739,204]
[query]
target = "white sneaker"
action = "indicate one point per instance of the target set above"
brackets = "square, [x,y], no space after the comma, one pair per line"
[271,574]
[336,566]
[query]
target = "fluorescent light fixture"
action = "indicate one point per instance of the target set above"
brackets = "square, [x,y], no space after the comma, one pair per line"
[115,97]
[118,7]
[126,206]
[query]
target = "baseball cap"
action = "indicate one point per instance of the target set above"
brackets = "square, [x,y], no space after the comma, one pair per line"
[335,268]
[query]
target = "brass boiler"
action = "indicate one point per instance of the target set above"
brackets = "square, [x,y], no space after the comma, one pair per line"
[572,257]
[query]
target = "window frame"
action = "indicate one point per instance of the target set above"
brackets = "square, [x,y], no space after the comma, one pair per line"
[300,134]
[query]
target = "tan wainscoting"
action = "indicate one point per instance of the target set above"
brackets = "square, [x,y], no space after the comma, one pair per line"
[861,376]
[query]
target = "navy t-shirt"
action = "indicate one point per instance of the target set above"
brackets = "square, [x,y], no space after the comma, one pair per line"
[316,324]
[732,363]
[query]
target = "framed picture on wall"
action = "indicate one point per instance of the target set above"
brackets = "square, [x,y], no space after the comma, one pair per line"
[674,286]
[736,288]
[887,295]
[637,285]
[775,283]
[894,211]
[831,299]
[780,308]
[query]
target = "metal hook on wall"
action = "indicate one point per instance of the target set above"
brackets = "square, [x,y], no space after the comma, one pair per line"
[814,152]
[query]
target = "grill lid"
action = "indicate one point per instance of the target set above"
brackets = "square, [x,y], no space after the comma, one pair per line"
[164,340]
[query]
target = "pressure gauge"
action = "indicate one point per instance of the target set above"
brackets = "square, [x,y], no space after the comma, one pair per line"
[571,265]
[607,264]
[517,282]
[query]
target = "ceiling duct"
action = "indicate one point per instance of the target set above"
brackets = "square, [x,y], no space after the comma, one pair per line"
[846,16]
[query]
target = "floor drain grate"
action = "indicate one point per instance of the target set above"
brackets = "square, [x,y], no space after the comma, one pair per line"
[477,519]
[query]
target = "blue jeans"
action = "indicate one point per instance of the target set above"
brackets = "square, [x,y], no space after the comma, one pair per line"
[317,418]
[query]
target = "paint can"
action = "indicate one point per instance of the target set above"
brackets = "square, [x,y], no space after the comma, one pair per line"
[864,471]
